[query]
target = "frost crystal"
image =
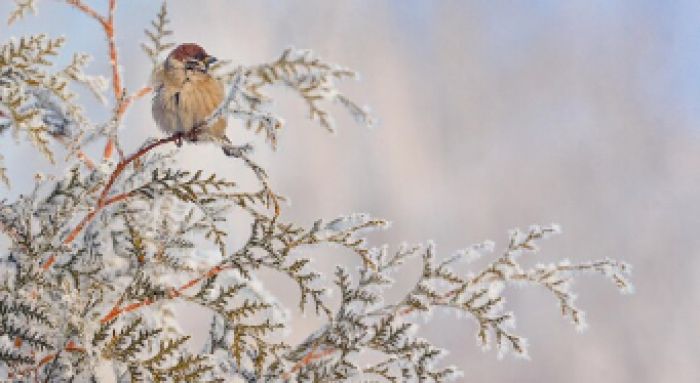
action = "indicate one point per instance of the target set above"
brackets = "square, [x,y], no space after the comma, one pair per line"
[98,257]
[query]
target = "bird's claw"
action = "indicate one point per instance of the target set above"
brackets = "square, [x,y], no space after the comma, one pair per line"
[193,134]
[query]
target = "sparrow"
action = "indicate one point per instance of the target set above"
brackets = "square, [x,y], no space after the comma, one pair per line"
[186,94]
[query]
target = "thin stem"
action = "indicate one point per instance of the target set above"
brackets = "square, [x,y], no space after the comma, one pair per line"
[86,160]
[104,200]
[107,24]
[70,347]
[307,359]
[87,10]
[117,311]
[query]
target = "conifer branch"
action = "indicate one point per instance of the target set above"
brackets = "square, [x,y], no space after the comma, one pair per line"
[153,234]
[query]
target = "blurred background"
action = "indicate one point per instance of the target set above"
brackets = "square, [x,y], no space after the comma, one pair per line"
[492,115]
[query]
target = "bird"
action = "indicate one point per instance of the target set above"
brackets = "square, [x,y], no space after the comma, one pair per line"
[186,94]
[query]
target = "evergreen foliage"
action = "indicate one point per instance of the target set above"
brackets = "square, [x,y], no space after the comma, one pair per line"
[98,255]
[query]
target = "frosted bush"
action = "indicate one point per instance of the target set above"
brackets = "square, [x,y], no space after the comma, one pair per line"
[98,256]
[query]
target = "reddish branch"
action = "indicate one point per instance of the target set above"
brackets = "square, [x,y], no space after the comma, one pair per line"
[113,54]
[117,310]
[85,159]
[70,347]
[107,23]
[104,199]
[88,11]
[308,358]
[124,105]
[313,355]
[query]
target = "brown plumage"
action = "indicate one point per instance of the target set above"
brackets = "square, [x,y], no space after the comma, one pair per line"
[186,94]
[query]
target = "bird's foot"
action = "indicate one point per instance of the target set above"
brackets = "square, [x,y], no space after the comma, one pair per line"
[178,139]
[193,134]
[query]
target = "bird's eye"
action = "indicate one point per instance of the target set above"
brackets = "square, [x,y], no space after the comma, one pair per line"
[191,64]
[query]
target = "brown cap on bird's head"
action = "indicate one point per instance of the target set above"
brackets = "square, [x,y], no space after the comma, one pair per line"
[189,51]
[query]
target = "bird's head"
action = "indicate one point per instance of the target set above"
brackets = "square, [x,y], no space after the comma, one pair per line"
[189,57]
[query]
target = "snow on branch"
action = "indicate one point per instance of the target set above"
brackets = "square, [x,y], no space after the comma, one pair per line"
[22,7]
[98,256]
[313,79]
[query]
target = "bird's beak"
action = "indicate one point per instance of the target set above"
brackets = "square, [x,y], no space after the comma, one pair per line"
[209,60]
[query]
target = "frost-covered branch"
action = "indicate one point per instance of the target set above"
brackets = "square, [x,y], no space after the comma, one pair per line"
[98,256]
[310,77]
[366,321]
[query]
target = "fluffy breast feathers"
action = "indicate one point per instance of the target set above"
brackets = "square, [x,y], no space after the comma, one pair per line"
[180,102]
